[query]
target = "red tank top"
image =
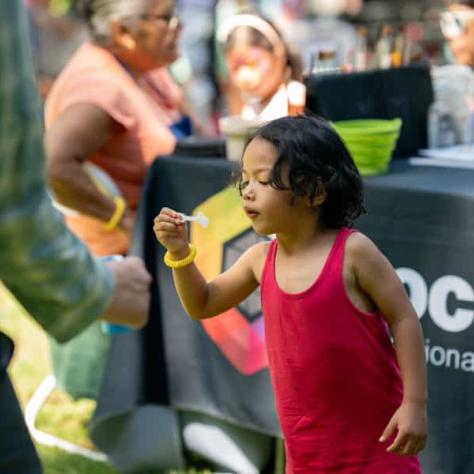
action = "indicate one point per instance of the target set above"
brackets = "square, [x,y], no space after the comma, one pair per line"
[334,372]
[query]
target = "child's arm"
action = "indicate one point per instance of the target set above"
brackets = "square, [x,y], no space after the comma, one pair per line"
[378,279]
[199,298]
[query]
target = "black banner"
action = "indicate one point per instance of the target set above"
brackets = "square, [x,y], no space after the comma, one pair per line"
[422,218]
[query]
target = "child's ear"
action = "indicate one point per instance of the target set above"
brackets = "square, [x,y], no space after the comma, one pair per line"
[319,197]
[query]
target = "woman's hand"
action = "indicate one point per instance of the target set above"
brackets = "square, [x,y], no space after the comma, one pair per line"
[170,230]
[410,422]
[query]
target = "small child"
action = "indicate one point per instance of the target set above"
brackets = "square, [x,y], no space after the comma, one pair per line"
[349,402]
[262,67]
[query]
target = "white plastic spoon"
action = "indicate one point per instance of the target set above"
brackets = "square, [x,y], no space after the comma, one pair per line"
[199,218]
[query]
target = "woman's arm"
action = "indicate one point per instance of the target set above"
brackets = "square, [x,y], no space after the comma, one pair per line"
[378,279]
[74,136]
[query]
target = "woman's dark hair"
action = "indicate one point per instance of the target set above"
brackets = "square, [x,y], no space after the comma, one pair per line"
[312,158]
[256,38]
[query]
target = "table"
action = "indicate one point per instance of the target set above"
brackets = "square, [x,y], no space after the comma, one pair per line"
[421,217]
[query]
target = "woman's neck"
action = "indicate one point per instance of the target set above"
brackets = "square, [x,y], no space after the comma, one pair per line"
[119,56]
[127,66]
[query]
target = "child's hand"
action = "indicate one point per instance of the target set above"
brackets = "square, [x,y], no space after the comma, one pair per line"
[410,422]
[170,230]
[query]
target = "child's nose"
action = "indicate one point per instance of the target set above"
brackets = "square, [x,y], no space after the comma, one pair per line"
[248,192]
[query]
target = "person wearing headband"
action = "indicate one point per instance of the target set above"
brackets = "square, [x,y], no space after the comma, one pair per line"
[116,105]
[457,25]
[260,65]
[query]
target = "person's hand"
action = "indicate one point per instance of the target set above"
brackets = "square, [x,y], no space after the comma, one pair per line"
[170,230]
[131,300]
[410,422]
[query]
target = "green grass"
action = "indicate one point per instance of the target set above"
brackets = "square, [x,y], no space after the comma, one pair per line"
[60,416]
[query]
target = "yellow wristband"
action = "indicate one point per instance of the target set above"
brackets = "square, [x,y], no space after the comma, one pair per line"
[118,213]
[184,261]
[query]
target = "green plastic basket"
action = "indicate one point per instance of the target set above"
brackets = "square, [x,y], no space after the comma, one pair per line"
[370,142]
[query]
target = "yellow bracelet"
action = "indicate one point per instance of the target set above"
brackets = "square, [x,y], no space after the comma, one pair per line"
[118,213]
[184,261]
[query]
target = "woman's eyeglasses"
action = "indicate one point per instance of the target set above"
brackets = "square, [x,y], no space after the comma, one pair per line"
[453,23]
[171,20]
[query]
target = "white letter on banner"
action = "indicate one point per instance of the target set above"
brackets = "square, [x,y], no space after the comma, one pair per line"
[467,363]
[461,319]
[417,289]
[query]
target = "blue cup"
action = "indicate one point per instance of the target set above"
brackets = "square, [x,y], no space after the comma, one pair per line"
[111,328]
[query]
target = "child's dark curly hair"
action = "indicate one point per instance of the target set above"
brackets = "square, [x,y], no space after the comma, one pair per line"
[316,159]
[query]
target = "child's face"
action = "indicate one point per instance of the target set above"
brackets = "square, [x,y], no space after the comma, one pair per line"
[462,44]
[269,209]
[255,70]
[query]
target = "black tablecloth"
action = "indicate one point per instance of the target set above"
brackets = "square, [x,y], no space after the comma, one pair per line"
[421,217]
[405,92]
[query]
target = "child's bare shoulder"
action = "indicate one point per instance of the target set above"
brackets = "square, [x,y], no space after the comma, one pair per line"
[256,256]
[360,247]
[260,249]
[258,252]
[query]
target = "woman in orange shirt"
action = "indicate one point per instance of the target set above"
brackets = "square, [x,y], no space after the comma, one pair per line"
[115,105]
